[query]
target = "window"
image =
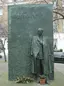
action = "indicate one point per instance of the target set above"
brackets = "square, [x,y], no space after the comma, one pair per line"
[1,11]
[10,0]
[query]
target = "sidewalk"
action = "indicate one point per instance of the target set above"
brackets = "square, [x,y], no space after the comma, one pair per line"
[59,76]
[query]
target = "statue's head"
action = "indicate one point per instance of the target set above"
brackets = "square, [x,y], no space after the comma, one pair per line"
[40,31]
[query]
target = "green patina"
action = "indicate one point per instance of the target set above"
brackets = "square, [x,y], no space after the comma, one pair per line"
[24,20]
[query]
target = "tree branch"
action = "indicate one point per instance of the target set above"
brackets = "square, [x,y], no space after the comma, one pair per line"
[59,13]
[46,2]
[58,9]
[57,19]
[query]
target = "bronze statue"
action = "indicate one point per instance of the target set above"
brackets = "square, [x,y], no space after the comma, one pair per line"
[37,53]
[42,62]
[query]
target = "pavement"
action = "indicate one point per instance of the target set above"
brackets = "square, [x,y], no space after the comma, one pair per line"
[58,81]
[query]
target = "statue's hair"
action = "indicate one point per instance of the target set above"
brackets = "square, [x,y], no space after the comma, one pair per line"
[40,29]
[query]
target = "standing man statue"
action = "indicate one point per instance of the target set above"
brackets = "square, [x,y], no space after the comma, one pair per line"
[42,56]
[37,53]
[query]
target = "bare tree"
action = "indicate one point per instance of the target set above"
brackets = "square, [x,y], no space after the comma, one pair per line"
[58,11]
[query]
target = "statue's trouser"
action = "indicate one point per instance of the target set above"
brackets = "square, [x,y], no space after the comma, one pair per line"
[37,66]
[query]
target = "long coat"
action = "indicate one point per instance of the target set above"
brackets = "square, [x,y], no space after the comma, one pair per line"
[37,53]
[47,55]
[37,47]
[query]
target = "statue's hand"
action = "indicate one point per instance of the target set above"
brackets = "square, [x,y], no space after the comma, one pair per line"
[31,54]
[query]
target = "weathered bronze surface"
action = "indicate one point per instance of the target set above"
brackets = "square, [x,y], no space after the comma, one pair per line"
[24,21]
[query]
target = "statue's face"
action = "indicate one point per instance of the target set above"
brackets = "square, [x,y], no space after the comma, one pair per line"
[40,32]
